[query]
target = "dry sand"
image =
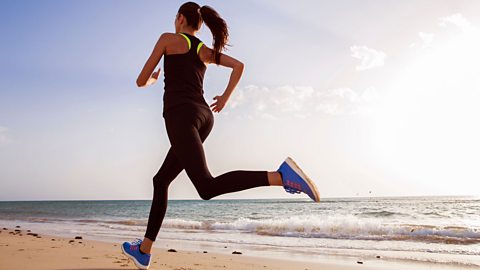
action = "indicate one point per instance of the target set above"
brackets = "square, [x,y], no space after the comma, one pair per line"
[21,249]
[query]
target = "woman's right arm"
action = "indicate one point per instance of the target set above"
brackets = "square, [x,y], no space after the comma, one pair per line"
[147,76]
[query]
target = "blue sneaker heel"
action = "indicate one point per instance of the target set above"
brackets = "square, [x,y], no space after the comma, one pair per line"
[132,251]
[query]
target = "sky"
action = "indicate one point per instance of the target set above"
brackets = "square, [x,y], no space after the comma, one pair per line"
[370,98]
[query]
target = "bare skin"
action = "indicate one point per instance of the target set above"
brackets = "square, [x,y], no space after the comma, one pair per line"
[170,43]
[274,178]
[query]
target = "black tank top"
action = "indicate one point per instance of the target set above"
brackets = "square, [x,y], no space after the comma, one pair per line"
[184,77]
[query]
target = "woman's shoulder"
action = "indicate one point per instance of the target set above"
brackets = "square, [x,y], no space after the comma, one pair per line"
[170,39]
[168,36]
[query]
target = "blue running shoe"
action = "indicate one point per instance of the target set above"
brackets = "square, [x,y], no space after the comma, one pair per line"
[132,250]
[295,180]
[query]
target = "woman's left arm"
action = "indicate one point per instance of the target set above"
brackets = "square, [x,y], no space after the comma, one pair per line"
[206,55]
[237,71]
[147,76]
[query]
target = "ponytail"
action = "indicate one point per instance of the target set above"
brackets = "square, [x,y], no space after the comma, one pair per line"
[195,14]
[219,30]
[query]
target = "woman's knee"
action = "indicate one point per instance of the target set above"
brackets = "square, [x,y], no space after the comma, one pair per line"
[205,194]
[204,187]
[160,182]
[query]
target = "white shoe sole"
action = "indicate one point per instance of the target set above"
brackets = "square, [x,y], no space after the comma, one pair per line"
[300,172]
[139,265]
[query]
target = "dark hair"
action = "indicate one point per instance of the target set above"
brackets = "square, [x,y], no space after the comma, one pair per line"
[212,19]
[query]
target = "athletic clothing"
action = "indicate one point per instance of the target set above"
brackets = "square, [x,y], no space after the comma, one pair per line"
[184,76]
[189,122]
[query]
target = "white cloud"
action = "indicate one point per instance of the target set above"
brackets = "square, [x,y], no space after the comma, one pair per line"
[369,58]
[341,101]
[328,108]
[347,93]
[298,101]
[284,99]
[427,39]
[4,136]
[456,19]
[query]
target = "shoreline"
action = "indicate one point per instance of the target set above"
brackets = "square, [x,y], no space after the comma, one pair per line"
[21,248]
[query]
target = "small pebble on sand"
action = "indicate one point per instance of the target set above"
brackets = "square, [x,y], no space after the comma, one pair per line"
[236,252]
[172,250]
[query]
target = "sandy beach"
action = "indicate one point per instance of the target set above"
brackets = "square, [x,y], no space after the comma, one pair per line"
[21,248]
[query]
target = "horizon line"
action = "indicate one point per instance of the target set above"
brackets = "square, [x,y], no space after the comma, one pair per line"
[250,199]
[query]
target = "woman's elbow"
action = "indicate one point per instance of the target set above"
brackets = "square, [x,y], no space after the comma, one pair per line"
[239,66]
[140,83]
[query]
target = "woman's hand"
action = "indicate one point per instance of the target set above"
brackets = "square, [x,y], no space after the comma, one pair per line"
[219,104]
[156,74]
[153,78]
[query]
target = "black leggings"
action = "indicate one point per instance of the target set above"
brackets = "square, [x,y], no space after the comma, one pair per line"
[188,126]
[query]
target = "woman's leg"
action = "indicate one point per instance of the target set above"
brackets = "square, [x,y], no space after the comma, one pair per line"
[169,170]
[165,175]
[184,131]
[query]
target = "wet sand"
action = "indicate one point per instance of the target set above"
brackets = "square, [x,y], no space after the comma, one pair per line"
[24,249]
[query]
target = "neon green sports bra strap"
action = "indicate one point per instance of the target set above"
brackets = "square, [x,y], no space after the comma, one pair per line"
[199,46]
[188,40]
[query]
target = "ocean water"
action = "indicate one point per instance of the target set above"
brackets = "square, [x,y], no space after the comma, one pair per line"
[444,230]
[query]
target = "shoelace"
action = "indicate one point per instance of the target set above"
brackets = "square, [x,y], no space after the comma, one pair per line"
[136,241]
[292,190]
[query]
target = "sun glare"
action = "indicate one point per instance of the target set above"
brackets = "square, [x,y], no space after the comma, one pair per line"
[428,125]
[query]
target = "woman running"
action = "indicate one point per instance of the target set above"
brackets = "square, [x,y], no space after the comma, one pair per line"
[189,120]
